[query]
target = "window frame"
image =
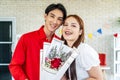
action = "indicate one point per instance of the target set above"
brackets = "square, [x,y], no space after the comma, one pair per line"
[13,20]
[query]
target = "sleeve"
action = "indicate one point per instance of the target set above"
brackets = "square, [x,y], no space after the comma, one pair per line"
[88,56]
[18,60]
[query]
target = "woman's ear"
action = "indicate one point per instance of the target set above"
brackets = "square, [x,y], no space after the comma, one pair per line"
[80,32]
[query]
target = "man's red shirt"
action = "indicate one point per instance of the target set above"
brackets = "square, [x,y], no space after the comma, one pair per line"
[26,58]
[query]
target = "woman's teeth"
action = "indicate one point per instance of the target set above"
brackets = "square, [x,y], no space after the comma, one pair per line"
[68,33]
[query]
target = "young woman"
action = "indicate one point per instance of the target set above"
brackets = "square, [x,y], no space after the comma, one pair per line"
[86,65]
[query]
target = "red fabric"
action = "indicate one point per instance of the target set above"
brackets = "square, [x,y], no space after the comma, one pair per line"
[25,61]
[102,58]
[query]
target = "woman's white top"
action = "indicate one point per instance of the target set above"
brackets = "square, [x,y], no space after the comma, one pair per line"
[87,58]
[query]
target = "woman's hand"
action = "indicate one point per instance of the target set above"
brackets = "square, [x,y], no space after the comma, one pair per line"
[95,73]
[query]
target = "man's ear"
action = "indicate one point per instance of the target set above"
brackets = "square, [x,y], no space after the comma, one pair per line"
[45,15]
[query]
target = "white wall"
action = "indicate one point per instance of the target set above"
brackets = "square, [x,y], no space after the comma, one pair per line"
[95,13]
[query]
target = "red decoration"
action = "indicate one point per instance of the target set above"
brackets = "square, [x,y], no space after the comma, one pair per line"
[116,35]
[102,57]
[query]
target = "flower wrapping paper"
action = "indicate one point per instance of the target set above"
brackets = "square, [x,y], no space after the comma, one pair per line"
[55,59]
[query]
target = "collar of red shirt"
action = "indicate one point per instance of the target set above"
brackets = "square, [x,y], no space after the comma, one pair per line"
[43,35]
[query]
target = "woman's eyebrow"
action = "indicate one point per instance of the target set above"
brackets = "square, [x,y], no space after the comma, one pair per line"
[73,23]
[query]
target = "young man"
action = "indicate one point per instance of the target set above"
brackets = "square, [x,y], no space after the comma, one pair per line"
[25,61]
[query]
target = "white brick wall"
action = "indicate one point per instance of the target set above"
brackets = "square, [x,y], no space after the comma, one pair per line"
[95,13]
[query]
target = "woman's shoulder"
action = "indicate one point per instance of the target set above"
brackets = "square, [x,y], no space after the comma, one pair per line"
[88,56]
[86,49]
[84,46]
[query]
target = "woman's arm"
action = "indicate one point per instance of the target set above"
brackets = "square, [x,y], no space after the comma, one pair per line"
[95,73]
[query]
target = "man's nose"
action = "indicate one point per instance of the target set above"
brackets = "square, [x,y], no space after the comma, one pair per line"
[55,20]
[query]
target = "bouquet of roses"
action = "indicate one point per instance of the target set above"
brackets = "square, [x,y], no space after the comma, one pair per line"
[56,59]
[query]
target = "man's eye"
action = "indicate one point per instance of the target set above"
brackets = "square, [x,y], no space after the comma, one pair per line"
[60,19]
[52,16]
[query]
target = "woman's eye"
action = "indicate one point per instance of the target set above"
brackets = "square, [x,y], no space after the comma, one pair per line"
[73,26]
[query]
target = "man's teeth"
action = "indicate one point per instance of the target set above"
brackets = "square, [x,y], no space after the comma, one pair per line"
[53,26]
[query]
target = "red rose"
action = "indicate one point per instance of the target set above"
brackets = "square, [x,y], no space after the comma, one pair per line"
[55,63]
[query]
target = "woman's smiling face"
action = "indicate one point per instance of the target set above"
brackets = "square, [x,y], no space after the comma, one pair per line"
[71,29]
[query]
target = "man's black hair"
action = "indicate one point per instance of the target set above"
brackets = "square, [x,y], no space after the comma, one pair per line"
[56,6]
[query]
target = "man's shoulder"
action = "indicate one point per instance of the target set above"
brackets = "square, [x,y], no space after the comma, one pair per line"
[32,33]
[29,35]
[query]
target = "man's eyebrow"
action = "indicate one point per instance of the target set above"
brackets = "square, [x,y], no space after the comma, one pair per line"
[51,14]
[54,15]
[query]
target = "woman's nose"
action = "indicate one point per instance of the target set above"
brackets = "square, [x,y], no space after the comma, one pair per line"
[68,27]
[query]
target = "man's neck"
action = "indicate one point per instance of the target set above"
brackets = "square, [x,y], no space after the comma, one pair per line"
[48,34]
